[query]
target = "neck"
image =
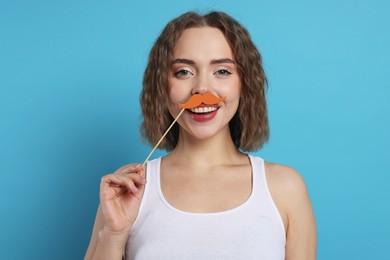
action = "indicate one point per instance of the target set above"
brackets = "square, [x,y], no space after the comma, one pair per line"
[216,150]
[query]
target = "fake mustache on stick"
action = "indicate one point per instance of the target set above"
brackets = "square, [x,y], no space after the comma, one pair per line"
[197,99]
[194,101]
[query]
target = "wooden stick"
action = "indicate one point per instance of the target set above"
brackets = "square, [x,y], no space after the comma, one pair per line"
[162,137]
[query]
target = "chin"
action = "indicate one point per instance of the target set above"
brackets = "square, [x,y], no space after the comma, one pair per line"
[204,133]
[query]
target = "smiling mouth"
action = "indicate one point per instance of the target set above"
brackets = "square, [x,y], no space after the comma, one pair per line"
[203,110]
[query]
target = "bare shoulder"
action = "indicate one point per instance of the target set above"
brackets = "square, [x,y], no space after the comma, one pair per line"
[287,187]
[281,177]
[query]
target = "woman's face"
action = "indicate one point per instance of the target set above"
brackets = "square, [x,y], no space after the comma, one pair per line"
[203,62]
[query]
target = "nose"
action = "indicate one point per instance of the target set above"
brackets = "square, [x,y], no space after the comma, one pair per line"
[201,86]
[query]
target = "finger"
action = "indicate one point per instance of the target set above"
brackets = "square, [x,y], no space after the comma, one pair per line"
[106,190]
[132,181]
[129,168]
[114,180]
[136,178]
[142,171]
[132,169]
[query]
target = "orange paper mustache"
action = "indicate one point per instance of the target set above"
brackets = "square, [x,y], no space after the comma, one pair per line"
[197,99]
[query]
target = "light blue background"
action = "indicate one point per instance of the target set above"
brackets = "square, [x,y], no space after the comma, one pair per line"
[70,76]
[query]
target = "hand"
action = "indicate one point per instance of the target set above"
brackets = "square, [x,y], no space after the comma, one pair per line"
[120,197]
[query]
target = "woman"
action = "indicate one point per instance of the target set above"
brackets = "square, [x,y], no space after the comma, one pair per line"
[206,199]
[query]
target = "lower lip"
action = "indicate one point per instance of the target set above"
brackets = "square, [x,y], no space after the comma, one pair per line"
[203,117]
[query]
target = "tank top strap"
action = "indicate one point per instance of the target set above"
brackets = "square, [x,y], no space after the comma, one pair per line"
[258,175]
[150,192]
[152,170]
[262,193]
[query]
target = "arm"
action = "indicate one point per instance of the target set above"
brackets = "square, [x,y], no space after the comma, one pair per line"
[291,197]
[120,197]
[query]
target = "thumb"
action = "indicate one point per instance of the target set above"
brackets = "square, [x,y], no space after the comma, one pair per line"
[142,171]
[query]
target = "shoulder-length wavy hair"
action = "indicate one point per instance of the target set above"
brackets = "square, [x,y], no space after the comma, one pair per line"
[249,126]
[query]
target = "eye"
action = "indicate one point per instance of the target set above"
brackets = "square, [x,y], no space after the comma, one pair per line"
[223,72]
[182,73]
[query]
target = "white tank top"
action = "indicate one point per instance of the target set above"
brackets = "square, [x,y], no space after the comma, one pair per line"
[253,230]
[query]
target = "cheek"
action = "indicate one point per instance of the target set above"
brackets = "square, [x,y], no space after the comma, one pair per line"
[233,97]
[177,93]
[234,92]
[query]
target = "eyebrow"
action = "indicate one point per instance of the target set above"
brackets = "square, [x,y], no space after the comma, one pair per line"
[185,61]
[191,62]
[219,61]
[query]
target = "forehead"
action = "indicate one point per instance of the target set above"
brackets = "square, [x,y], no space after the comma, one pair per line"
[203,42]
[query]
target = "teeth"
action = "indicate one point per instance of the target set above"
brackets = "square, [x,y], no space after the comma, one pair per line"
[200,110]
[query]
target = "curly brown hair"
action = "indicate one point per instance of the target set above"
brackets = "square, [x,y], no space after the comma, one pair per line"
[249,126]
